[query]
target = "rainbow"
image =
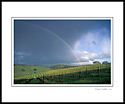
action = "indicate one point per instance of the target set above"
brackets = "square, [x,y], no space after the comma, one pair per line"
[57,36]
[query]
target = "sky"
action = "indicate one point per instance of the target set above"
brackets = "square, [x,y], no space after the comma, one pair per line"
[70,42]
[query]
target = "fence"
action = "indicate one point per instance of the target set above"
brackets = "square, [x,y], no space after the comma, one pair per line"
[72,76]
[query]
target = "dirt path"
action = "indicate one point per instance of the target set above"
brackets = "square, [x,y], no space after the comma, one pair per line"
[41,80]
[29,81]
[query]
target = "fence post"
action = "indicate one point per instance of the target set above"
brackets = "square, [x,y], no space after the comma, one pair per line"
[59,77]
[62,76]
[73,75]
[98,71]
[53,76]
[43,78]
[79,74]
[86,70]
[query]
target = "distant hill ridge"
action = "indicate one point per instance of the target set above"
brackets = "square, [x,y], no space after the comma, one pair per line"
[59,66]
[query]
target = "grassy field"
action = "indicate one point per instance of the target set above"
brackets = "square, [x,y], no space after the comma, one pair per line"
[87,74]
[28,70]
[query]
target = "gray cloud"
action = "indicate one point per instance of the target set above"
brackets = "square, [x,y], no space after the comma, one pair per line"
[93,42]
[35,45]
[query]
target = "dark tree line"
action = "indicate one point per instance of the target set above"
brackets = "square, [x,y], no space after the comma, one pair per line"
[104,62]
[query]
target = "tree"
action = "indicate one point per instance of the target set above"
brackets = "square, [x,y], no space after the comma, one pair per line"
[23,69]
[105,62]
[34,69]
[96,62]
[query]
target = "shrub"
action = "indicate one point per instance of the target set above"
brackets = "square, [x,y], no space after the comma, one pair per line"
[96,62]
[23,69]
[105,62]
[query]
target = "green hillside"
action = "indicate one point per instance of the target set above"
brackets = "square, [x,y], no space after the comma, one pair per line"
[23,70]
[59,66]
[79,74]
